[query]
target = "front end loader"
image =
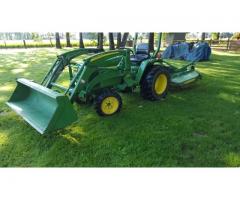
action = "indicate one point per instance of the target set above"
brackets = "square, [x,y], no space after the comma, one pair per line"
[97,78]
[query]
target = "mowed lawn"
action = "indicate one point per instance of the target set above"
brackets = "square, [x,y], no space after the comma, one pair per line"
[194,127]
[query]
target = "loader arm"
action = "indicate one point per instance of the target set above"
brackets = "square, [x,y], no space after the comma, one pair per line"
[62,61]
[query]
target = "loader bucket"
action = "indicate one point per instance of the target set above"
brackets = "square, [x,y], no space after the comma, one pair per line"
[44,109]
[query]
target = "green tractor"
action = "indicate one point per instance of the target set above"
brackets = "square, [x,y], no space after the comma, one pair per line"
[96,79]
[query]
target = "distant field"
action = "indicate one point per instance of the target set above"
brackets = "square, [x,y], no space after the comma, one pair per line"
[41,43]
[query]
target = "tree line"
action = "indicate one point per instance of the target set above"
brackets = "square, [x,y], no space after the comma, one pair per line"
[121,40]
[116,40]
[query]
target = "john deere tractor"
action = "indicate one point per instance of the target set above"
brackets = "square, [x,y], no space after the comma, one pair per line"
[98,79]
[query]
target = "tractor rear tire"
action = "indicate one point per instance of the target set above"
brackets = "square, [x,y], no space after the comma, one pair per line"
[155,84]
[108,103]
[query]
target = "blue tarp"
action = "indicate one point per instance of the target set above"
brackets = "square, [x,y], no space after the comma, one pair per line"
[186,51]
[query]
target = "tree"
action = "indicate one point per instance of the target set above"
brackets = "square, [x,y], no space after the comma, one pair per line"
[203,36]
[111,41]
[179,37]
[215,36]
[58,43]
[236,35]
[81,44]
[151,41]
[119,38]
[49,34]
[172,38]
[124,40]
[100,41]
[68,39]
[91,36]
[121,41]
[226,34]
[35,36]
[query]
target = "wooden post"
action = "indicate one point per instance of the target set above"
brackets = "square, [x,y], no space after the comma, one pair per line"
[24,43]
[228,43]
[51,41]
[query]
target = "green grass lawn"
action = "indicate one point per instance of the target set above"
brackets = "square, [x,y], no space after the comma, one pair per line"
[194,127]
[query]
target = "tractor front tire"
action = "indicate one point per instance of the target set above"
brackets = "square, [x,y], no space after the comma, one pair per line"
[108,103]
[155,84]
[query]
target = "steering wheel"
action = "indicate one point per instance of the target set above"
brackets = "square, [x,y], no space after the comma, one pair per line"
[131,51]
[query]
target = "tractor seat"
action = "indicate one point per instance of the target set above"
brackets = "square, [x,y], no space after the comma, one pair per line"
[142,53]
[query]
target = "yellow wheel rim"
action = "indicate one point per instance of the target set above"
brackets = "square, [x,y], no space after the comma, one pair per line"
[160,84]
[109,105]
